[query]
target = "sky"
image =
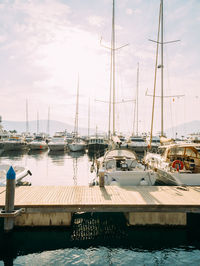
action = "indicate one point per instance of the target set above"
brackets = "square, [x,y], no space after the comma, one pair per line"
[46,44]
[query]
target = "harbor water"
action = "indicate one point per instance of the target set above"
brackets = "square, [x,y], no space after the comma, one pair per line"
[93,238]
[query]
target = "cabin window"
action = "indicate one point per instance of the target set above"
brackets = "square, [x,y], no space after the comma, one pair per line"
[190,152]
[176,151]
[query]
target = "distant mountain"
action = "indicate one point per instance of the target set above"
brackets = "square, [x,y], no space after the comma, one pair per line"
[184,129]
[54,126]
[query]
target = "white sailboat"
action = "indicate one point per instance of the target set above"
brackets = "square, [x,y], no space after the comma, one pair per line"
[120,166]
[78,144]
[176,164]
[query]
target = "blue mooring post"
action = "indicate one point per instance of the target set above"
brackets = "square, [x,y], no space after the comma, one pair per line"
[10,197]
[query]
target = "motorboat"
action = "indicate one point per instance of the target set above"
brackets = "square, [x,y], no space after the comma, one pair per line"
[96,144]
[38,143]
[15,143]
[121,167]
[57,143]
[176,164]
[137,144]
[20,171]
[77,145]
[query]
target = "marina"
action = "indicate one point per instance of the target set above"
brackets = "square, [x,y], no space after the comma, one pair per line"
[99,141]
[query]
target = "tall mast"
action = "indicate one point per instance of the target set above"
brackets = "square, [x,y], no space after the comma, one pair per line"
[76,116]
[113,58]
[88,118]
[162,126]
[137,97]
[27,125]
[48,120]
[37,122]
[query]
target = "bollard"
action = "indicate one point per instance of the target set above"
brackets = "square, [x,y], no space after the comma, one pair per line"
[10,197]
[101,178]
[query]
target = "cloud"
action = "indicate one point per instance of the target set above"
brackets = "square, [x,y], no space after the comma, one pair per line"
[96,21]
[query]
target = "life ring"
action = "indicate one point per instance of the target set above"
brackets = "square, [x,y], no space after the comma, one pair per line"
[178,165]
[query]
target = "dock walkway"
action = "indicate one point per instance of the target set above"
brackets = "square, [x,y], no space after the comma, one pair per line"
[135,200]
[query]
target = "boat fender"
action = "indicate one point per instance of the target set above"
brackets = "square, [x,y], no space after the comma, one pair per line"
[178,165]
[143,182]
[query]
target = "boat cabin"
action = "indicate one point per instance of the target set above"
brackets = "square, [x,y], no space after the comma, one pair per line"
[187,154]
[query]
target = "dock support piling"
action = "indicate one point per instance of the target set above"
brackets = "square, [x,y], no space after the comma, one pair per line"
[101,178]
[9,200]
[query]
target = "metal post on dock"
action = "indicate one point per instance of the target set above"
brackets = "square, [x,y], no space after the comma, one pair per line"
[101,178]
[10,197]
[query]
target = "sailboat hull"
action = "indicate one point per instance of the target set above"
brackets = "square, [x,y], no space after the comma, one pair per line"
[76,146]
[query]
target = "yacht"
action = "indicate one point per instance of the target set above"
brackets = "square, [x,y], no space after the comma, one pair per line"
[38,143]
[15,143]
[137,144]
[57,143]
[121,167]
[77,145]
[176,164]
[96,144]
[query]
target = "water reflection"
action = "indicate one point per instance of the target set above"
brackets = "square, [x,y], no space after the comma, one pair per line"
[14,155]
[76,154]
[37,154]
[57,157]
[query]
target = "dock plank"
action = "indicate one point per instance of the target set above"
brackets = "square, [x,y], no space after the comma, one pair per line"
[111,196]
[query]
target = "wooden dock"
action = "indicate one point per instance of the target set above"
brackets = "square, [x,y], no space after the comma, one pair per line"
[53,205]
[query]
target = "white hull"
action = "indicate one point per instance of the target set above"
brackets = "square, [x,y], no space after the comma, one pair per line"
[76,146]
[130,178]
[178,178]
[57,147]
[38,146]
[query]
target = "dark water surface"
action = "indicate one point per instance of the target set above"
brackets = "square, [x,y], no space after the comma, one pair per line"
[93,238]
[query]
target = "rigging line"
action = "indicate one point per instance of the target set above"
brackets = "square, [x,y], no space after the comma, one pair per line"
[156,64]
[169,91]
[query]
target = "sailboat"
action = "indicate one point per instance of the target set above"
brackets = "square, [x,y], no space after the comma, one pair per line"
[78,144]
[120,166]
[177,163]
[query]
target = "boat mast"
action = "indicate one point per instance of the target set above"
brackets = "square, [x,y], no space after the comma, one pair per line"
[162,126]
[137,89]
[37,122]
[113,63]
[27,125]
[88,118]
[48,120]
[76,115]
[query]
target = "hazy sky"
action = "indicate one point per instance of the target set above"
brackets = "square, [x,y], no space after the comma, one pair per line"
[44,44]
